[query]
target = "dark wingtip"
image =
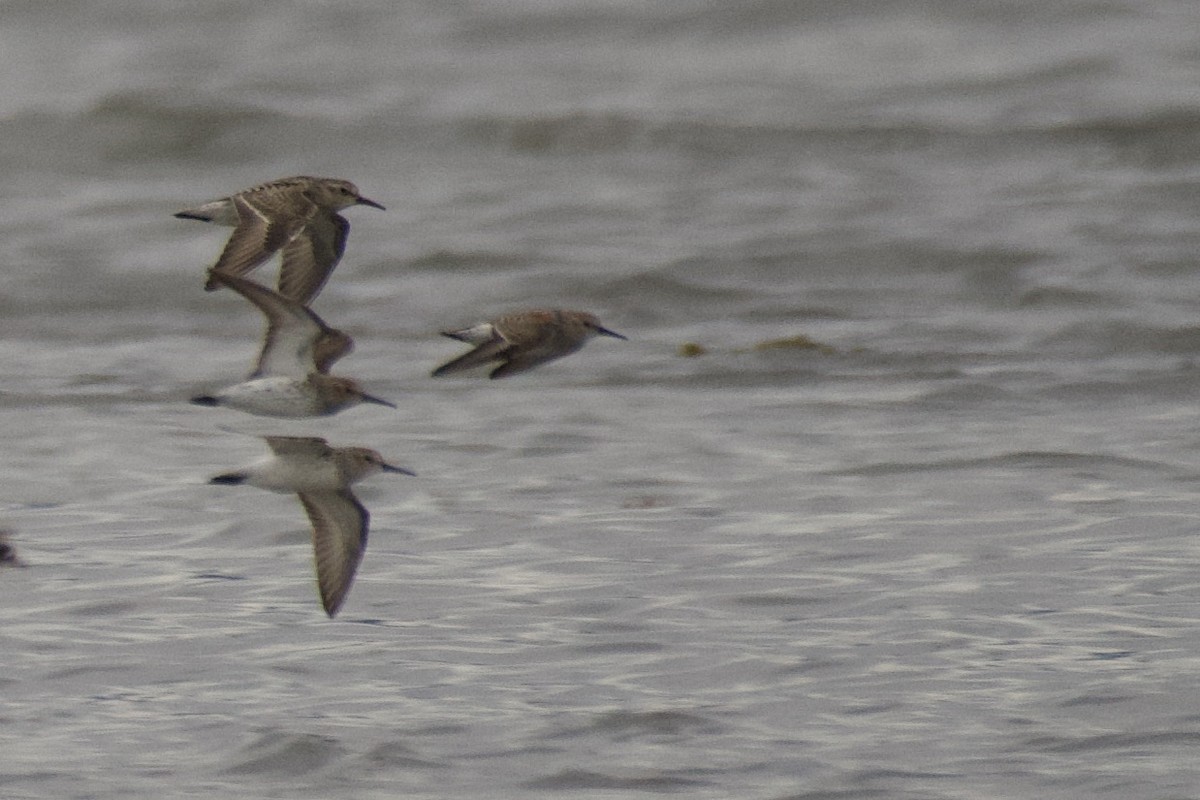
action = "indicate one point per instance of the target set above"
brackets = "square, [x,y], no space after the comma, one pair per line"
[228,479]
[331,604]
[205,400]
[216,279]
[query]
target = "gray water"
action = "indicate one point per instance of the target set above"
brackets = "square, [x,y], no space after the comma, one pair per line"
[938,542]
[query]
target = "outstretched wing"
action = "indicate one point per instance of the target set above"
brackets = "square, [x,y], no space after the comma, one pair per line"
[310,256]
[339,535]
[483,354]
[267,220]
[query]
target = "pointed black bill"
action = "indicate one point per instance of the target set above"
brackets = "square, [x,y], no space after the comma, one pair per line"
[367,398]
[362,201]
[600,329]
[400,470]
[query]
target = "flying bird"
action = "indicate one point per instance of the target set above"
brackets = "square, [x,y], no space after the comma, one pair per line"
[296,216]
[291,377]
[322,476]
[524,339]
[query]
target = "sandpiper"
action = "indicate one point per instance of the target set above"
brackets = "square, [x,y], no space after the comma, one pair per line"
[8,552]
[291,377]
[321,475]
[296,215]
[523,340]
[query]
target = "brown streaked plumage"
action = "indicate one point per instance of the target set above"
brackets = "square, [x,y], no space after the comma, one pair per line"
[524,339]
[321,476]
[295,216]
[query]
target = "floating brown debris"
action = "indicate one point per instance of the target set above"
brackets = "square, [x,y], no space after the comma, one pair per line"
[799,342]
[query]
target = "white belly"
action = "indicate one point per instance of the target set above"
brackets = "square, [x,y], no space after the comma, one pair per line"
[273,396]
[295,474]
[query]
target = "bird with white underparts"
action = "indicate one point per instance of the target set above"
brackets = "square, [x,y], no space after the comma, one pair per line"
[321,476]
[291,377]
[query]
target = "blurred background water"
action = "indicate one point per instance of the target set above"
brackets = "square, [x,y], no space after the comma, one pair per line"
[919,519]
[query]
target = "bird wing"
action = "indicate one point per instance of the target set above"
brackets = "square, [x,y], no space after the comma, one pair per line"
[520,361]
[310,256]
[339,535]
[489,351]
[267,220]
[289,344]
[312,446]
